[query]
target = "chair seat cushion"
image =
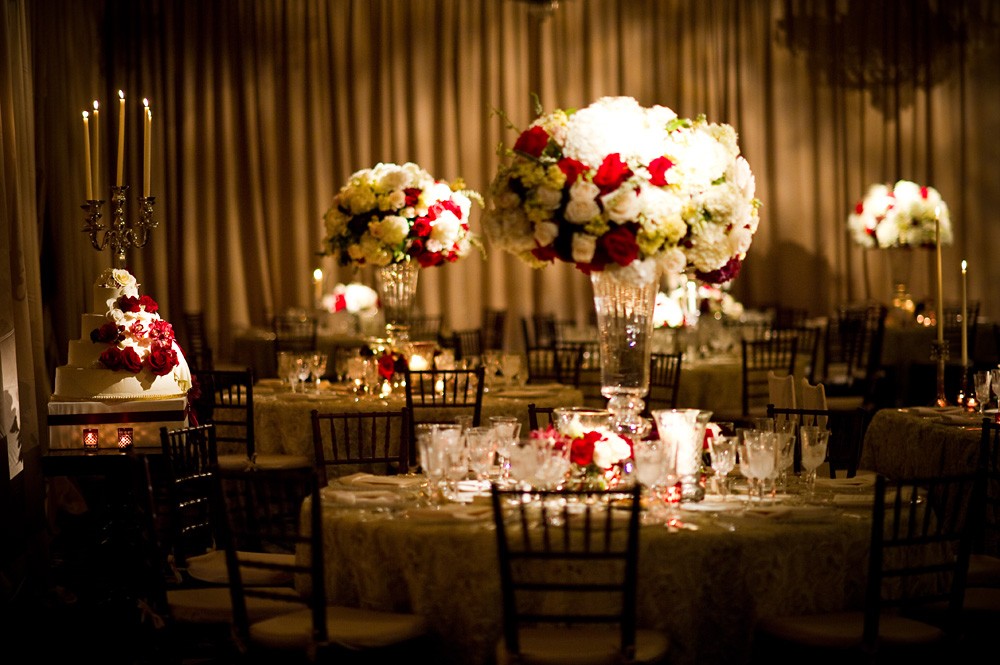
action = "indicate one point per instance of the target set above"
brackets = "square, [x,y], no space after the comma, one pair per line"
[581,646]
[214,605]
[843,630]
[211,568]
[984,570]
[347,626]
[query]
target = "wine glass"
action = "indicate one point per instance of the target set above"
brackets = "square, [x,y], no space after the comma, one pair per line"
[650,459]
[784,452]
[286,367]
[982,381]
[317,368]
[431,459]
[995,384]
[482,451]
[506,430]
[303,368]
[447,437]
[761,461]
[523,462]
[814,444]
[723,451]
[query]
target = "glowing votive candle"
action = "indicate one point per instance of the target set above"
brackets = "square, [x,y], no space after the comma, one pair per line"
[90,439]
[124,438]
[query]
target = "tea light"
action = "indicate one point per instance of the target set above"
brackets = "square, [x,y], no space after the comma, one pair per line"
[418,363]
[124,438]
[90,439]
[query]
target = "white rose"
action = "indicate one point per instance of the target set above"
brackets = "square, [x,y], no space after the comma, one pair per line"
[584,246]
[361,199]
[444,232]
[548,198]
[673,261]
[622,205]
[583,190]
[610,450]
[391,230]
[394,200]
[581,211]
[546,233]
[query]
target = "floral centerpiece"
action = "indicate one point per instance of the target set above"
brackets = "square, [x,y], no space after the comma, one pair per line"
[353,298]
[616,183]
[138,340]
[397,213]
[902,215]
[597,457]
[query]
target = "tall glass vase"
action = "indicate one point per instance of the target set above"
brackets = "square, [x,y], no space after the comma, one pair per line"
[396,284]
[902,309]
[624,301]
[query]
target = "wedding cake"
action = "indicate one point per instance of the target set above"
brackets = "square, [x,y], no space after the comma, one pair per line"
[125,351]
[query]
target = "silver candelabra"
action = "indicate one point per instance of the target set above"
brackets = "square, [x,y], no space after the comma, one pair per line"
[120,233]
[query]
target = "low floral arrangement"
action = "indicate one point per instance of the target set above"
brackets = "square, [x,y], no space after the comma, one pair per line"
[597,457]
[396,213]
[667,310]
[391,361]
[615,184]
[137,338]
[354,298]
[901,215]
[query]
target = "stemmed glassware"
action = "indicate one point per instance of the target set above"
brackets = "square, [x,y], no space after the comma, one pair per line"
[784,451]
[723,452]
[506,430]
[982,382]
[317,368]
[651,459]
[482,451]
[431,459]
[815,440]
[761,461]
[510,367]
[303,368]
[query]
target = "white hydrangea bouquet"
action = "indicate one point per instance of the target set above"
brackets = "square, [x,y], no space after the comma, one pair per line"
[903,215]
[616,184]
[395,213]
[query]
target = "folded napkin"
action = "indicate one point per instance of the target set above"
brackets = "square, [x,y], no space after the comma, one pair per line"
[463,512]
[361,498]
[360,480]
[857,482]
[936,410]
[790,513]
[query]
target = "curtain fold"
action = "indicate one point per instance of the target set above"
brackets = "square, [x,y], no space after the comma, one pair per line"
[263,109]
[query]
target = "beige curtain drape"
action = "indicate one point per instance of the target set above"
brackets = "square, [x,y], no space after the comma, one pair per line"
[263,108]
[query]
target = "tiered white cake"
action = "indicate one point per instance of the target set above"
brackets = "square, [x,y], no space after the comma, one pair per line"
[125,351]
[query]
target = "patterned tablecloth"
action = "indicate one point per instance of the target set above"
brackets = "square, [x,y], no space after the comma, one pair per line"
[921,441]
[705,588]
[282,420]
[714,384]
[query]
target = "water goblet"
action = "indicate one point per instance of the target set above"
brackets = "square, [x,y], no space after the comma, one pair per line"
[982,382]
[317,368]
[760,458]
[554,463]
[523,462]
[506,430]
[482,451]
[815,440]
[723,451]
[995,384]
[455,456]
[784,455]
[431,460]
[303,368]
[650,460]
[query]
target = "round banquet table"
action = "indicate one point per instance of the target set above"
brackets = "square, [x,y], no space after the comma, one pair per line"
[255,347]
[706,588]
[714,383]
[921,441]
[283,425]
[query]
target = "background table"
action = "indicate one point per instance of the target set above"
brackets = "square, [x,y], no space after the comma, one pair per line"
[282,420]
[920,442]
[255,347]
[714,384]
[704,588]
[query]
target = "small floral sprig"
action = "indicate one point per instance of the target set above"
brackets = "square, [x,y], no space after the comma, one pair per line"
[390,361]
[394,213]
[902,215]
[354,298]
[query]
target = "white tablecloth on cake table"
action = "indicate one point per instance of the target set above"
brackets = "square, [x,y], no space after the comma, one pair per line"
[67,418]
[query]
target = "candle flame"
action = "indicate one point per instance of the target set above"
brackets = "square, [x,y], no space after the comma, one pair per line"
[317,275]
[145,102]
[121,95]
[95,106]
[86,115]
[964,265]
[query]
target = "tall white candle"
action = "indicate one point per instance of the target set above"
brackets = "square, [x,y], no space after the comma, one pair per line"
[146,131]
[940,293]
[965,309]
[97,151]
[121,139]
[86,156]
[317,287]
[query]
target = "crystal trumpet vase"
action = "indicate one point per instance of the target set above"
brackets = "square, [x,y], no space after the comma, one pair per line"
[396,284]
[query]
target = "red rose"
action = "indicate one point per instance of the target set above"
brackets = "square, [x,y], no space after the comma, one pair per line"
[130,360]
[611,173]
[859,208]
[111,358]
[581,451]
[430,259]
[412,195]
[547,253]
[416,247]
[128,304]
[658,171]
[386,366]
[532,141]
[421,227]
[572,169]
[161,359]
[137,329]
[923,193]
[620,245]
[109,333]
[339,302]
[149,304]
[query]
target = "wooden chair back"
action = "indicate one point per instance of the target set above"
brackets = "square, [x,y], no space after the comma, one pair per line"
[226,401]
[190,458]
[775,352]
[370,441]
[847,433]
[664,381]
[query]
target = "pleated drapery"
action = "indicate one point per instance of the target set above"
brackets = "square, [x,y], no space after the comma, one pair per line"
[262,110]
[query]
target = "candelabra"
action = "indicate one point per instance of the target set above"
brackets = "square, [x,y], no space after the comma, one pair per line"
[120,233]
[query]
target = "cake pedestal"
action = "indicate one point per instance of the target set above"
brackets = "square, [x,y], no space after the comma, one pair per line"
[68,418]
